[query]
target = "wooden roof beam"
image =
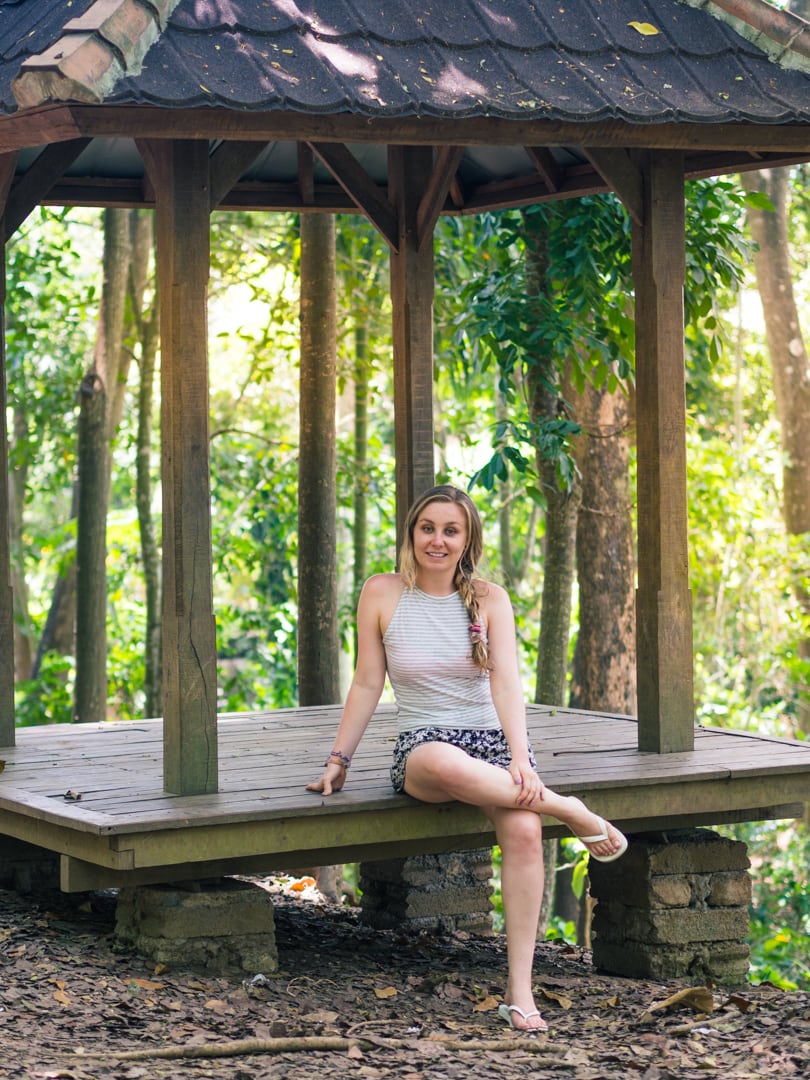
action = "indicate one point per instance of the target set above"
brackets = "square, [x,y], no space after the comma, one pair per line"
[306,174]
[359,186]
[432,203]
[622,175]
[48,168]
[546,164]
[227,165]
[8,165]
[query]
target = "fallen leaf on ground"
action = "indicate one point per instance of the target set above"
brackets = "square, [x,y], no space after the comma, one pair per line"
[385,992]
[561,999]
[145,984]
[321,1016]
[487,1005]
[698,998]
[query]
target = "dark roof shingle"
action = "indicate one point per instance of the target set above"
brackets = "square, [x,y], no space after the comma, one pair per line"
[573,60]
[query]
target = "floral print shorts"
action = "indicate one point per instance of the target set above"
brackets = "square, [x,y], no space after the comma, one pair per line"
[487,745]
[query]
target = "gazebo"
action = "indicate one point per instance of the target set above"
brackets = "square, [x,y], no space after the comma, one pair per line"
[402,112]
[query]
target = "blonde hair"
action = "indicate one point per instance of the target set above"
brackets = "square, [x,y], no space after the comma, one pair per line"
[464,579]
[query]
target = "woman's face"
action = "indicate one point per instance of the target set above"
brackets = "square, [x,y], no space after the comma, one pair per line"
[440,537]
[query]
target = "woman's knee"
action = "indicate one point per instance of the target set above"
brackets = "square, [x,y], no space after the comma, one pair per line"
[431,767]
[520,832]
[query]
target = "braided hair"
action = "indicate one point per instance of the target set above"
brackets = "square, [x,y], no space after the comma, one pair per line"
[464,579]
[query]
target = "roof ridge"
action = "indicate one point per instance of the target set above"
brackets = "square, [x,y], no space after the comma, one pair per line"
[783,35]
[93,52]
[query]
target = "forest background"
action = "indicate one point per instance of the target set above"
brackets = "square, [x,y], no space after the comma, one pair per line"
[534,413]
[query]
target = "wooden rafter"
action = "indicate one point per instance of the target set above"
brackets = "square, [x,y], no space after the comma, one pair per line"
[621,174]
[228,164]
[306,174]
[48,168]
[359,186]
[432,203]
[546,164]
[57,122]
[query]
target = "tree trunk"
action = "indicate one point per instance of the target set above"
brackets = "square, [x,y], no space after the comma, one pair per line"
[97,393]
[318,645]
[604,671]
[560,533]
[361,478]
[23,628]
[146,324]
[791,380]
[514,564]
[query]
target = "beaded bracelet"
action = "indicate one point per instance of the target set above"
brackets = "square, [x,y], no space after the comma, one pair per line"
[341,759]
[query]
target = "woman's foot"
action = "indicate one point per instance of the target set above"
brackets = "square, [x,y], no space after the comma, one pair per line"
[520,1012]
[603,840]
[519,1020]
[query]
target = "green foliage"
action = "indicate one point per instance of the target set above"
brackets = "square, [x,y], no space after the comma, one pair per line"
[780,912]
[49,698]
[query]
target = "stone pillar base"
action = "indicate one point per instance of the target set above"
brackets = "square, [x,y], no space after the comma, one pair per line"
[26,868]
[675,906]
[435,893]
[213,926]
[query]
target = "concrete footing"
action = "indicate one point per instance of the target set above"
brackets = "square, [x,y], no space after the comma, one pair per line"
[434,893]
[676,905]
[215,926]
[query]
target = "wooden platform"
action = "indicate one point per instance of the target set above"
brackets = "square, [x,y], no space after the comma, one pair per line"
[95,793]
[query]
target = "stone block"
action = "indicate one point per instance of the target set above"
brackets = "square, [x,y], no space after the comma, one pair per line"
[723,962]
[223,925]
[734,889]
[669,890]
[674,926]
[435,893]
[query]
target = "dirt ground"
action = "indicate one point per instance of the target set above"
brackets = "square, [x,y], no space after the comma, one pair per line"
[348,1001]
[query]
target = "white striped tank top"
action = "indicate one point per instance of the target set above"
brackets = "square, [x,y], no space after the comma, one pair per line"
[429,660]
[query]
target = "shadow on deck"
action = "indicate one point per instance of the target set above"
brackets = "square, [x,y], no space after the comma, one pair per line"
[94,794]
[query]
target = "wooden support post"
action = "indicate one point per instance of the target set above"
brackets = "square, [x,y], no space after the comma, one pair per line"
[663,599]
[179,171]
[7,730]
[412,289]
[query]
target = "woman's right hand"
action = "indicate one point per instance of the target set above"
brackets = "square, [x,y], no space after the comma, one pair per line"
[333,779]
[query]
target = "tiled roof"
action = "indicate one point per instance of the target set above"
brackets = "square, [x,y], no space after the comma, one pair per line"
[649,61]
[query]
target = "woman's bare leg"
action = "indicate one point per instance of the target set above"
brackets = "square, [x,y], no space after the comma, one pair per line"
[441,772]
[519,834]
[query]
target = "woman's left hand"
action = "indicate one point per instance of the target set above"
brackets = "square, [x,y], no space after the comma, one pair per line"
[531,786]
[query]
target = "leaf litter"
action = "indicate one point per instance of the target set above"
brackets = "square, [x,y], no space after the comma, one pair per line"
[360,1003]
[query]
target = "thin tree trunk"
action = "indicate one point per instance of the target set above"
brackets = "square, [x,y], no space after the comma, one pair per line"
[59,633]
[560,533]
[604,670]
[361,478]
[147,332]
[790,367]
[514,564]
[97,394]
[318,646]
[23,627]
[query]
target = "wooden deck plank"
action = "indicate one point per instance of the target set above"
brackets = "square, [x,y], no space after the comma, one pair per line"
[125,824]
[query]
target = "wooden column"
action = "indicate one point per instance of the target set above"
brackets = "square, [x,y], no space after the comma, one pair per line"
[663,599]
[7,727]
[179,172]
[412,289]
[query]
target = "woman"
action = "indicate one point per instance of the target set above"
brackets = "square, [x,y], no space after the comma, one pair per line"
[446,640]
